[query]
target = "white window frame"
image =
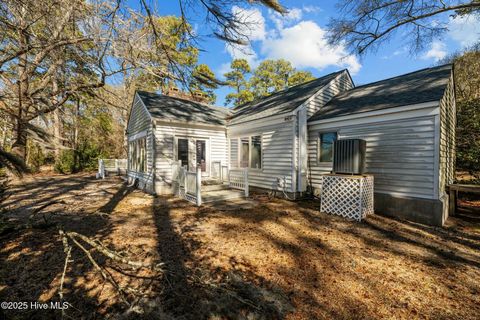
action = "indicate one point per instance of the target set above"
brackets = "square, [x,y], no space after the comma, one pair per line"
[135,163]
[319,146]
[239,151]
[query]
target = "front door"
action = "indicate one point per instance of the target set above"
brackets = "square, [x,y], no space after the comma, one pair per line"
[201,154]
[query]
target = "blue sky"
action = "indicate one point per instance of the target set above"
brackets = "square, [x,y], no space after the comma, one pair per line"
[300,38]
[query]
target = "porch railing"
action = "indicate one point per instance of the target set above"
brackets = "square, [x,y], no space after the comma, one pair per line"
[189,183]
[238,179]
[110,165]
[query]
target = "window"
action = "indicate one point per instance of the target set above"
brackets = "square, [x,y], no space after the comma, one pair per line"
[182,151]
[244,152]
[325,149]
[138,155]
[256,156]
[251,152]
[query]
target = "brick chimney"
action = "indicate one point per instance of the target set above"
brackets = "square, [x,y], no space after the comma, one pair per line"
[194,96]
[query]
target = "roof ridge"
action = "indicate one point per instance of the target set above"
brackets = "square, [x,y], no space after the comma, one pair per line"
[400,75]
[185,100]
[287,89]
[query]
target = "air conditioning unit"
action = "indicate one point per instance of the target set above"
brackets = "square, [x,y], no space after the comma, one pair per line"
[349,156]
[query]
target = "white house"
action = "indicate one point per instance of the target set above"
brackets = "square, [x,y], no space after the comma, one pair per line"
[285,140]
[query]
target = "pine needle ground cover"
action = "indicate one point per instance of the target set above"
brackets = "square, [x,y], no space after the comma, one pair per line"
[255,259]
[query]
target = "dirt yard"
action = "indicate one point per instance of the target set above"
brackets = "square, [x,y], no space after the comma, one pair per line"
[255,259]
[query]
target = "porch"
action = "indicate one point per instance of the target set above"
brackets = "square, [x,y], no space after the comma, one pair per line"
[221,185]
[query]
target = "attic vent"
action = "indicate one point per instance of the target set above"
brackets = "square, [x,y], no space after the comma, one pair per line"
[349,156]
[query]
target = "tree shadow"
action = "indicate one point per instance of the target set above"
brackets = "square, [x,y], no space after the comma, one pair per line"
[32,258]
[194,289]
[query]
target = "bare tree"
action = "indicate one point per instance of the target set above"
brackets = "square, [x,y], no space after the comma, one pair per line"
[53,51]
[365,24]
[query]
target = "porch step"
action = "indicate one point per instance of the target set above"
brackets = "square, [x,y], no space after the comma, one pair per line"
[214,187]
[210,182]
[221,195]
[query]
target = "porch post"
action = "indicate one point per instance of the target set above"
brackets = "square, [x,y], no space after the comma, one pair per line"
[185,180]
[245,178]
[199,186]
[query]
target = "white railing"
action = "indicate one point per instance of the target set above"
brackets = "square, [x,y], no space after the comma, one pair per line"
[216,171]
[189,183]
[238,179]
[110,165]
[224,173]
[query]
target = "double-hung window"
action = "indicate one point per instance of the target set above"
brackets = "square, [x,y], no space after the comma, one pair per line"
[250,152]
[325,146]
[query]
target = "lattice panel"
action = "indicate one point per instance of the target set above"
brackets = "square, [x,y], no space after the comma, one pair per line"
[347,196]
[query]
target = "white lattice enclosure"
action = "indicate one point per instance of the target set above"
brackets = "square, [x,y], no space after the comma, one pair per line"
[347,196]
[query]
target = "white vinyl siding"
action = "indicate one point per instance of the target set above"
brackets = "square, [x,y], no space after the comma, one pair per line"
[341,83]
[447,138]
[400,154]
[139,124]
[233,152]
[277,150]
[165,135]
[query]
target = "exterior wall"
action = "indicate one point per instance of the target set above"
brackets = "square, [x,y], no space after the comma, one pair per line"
[401,154]
[140,125]
[165,134]
[448,123]
[278,140]
[341,83]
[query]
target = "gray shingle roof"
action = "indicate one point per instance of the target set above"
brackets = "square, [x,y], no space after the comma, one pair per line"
[281,101]
[416,87]
[163,107]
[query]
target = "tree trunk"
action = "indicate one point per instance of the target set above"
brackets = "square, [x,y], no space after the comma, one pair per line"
[19,147]
[75,137]
[57,133]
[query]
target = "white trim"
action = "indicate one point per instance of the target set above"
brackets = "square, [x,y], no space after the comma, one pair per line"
[261,122]
[138,135]
[239,156]
[436,156]
[144,106]
[294,168]
[194,138]
[190,124]
[390,112]
[313,96]
[302,149]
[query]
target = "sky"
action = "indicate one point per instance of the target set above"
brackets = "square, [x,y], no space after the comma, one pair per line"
[299,37]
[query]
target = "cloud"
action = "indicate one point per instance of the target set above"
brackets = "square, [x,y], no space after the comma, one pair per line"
[437,51]
[305,45]
[243,52]
[301,42]
[465,29]
[293,15]
[312,9]
[254,23]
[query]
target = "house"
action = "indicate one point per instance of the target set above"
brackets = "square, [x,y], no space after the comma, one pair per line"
[268,136]
[285,140]
[409,125]
[163,129]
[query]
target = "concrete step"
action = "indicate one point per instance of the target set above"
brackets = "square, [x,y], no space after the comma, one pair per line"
[222,195]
